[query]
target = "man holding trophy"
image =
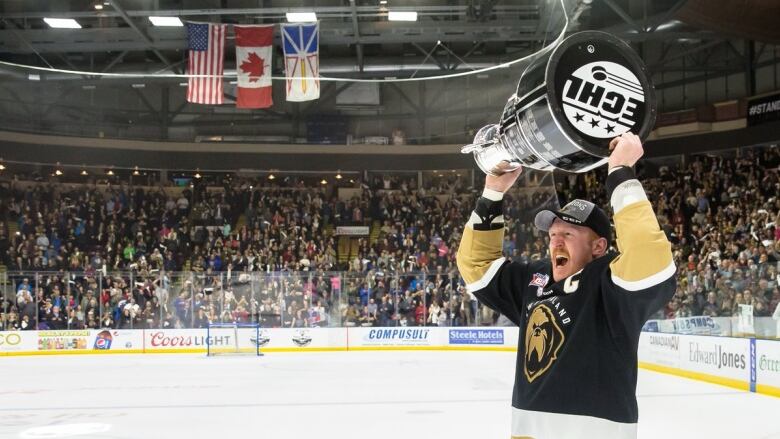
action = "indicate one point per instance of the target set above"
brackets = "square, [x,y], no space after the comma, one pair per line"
[580,312]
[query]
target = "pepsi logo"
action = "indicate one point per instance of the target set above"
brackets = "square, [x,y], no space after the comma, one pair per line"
[602,99]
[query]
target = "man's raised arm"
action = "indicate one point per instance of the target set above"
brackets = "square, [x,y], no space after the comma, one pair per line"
[645,258]
[479,255]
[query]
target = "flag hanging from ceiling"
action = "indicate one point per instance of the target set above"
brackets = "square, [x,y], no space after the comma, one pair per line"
[253,66]
[206,62]
[302,61]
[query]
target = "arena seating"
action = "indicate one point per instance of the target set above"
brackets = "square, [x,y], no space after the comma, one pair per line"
[83,255]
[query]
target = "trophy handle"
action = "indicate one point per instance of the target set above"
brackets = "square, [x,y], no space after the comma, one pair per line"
[490,154]
[474,147]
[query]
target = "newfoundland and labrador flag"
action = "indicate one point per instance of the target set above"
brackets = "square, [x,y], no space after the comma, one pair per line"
[253,66]
[302,61]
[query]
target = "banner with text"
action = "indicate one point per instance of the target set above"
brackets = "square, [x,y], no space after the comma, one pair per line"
[763,109]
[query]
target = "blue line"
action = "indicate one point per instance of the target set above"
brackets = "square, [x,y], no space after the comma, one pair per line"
[753,365]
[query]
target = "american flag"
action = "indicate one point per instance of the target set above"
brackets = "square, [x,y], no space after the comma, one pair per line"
[206,61]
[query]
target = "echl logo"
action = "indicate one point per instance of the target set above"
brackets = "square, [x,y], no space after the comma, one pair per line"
[301,338]
[262,340]
[601,99]
[543,339]
[539,280]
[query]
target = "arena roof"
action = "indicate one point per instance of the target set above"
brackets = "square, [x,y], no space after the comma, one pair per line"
[692,57]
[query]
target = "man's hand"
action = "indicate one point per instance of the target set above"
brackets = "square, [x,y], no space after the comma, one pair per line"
[503,182]
[626,150]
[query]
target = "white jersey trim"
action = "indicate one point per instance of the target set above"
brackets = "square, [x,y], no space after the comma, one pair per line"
[627,193]
[485,280]
[647,282]
[475,219]
[492,195]
[544,425]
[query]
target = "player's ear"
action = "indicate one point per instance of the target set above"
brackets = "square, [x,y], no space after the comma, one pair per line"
[599,246]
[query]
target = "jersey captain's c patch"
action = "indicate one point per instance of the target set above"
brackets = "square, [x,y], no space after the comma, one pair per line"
[543,340]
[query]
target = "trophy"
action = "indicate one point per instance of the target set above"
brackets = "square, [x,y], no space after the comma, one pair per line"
[568,105]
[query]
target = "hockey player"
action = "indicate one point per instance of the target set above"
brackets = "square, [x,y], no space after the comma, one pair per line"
[580,312]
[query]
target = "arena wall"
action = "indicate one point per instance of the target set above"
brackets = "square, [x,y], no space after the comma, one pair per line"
[743,363]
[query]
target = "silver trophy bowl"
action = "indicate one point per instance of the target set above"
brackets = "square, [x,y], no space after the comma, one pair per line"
[568,106]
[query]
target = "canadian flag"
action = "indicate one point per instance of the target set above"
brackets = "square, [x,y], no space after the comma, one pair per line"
[253,66]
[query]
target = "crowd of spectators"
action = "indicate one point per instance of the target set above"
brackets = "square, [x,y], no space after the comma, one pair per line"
[722,215]
[90,256]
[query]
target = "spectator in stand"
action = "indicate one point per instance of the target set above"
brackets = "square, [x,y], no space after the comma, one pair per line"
[711,308]
[367,318]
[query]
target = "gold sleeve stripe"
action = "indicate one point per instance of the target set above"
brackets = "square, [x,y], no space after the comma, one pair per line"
[645,254]
[627,193]
[647,282]
[478,250]
[487,277]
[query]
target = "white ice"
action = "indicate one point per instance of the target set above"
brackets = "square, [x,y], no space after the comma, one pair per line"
[376,395]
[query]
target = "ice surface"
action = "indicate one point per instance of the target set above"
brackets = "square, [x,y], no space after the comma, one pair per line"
[376,395]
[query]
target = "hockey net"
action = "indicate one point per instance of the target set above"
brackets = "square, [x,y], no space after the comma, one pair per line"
[233,339]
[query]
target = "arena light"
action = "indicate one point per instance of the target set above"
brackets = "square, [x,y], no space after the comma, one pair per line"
[58,172]
[62,23]
[110,172]
[338,176]
[402,15]
[98,6]
[136,171]
[166,21]
[2,167]
[271,176]
[84,172]
[324,181]
[301,17]
[197,174]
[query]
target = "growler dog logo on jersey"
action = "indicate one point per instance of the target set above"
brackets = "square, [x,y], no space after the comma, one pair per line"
[543,339]
[603,99]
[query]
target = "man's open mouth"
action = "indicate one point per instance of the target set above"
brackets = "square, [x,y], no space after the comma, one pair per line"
[560,260]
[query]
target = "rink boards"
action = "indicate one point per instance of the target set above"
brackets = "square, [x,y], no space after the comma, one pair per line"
[742,363]
[270,339]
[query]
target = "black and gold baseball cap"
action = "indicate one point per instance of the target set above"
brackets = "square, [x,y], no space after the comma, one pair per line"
[579,213]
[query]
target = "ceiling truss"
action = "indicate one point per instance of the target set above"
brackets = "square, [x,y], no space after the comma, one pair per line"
[359,42]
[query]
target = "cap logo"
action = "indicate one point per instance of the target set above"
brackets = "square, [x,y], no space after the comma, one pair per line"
[601,99]
[576,204]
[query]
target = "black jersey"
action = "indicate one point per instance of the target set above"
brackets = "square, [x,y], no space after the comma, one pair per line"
[577,350]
